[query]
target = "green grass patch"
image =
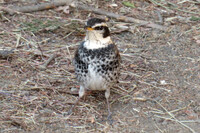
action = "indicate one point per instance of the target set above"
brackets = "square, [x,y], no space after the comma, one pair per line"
[128,4]
[37,25]
[193,18]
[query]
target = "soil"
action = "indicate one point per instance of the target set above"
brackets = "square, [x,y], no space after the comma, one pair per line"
[159,86]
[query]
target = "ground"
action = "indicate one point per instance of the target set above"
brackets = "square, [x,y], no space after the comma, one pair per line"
[159,86]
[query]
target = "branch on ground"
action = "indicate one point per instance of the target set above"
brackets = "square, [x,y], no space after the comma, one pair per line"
[45,6]
[6,52]
[34,8]
[122,18]
[44,66]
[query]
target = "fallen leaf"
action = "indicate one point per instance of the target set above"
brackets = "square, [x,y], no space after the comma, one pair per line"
[113,5]
[65,9]
[128,4]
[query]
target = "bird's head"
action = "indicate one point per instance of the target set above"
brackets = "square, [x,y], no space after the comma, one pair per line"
[97,30]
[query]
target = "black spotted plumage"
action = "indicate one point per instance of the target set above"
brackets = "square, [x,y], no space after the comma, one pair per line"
[105,62]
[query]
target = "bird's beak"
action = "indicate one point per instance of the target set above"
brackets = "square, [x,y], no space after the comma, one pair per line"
[89,28]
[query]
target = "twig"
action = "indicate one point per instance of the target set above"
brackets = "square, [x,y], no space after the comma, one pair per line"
[159,17]
[174,118]
[6,52]
[44,66]
[183,121]
[122,18]
[192,29]
[126,94]
[33,8]
[142,82]
[18,40]
[158,128]
[16,122]
[58,90]
[40,49]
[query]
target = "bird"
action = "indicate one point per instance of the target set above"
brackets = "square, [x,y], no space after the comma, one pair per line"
[97,61]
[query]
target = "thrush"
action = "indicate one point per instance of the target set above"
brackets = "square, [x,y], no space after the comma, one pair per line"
[97,60]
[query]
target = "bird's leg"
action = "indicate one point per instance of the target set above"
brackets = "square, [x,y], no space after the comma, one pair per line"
[81,94]
[107,94]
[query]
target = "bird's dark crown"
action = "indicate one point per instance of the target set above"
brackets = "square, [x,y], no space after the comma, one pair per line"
[93,21]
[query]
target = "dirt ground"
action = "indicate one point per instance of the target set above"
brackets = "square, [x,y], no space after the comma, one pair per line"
[159,89]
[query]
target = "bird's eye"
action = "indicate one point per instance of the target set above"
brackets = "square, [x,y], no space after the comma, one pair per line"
[99,28]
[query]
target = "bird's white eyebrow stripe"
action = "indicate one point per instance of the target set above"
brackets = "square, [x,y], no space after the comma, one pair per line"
[101,24]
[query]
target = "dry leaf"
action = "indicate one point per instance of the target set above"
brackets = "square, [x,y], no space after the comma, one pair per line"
[113,5]
[64,9]
[122,26]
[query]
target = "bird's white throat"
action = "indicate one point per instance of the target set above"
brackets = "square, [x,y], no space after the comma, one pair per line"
[96,40]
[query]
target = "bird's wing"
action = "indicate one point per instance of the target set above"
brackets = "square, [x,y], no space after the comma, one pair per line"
[78,61]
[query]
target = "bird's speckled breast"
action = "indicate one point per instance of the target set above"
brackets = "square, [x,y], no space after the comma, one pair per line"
[97,69]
